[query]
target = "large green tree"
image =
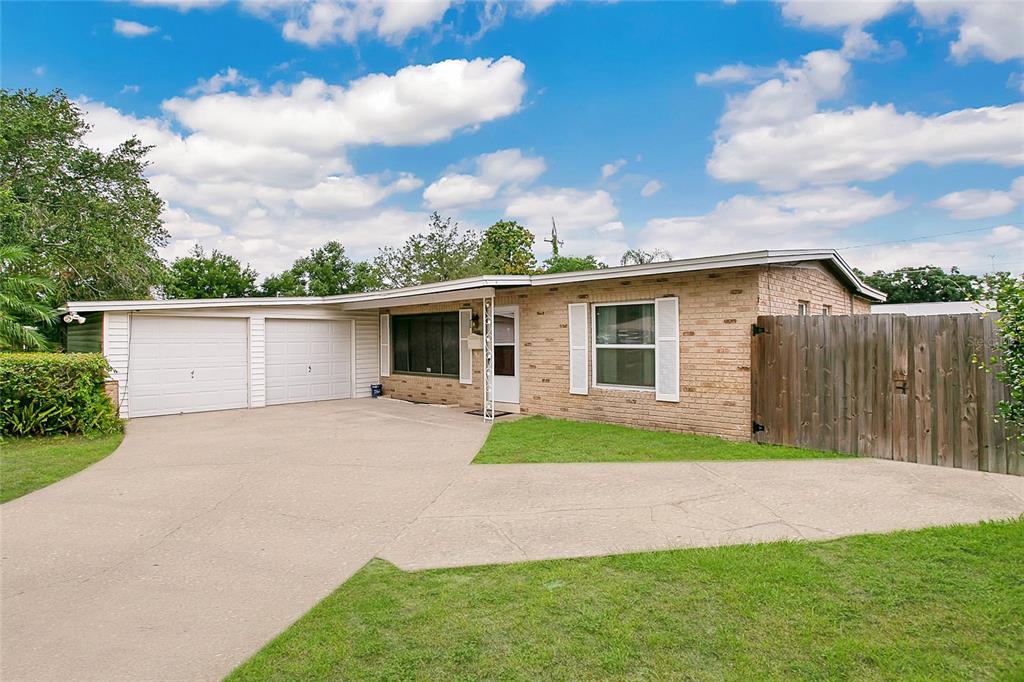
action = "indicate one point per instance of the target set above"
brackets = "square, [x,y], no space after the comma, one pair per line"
[572,264]
[442,253]
[926,284]
[507,249]
[23,310]
[326,271]
[89,219]
[217,275]
[1007,292]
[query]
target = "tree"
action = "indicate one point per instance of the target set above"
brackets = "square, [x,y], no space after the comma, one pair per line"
[215,276]
[572,264]
[640,257]
[441,254]
[1008,293]
[22,306]
[924,285]
[507,249]
[326,271]
[89,219]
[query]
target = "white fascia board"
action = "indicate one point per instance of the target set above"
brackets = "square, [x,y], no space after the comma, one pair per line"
[179,303]
[419,299]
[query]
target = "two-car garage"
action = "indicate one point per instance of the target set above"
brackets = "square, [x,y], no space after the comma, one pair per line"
[195,363]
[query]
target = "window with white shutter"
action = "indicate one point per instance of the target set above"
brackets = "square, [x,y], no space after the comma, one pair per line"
[385,345]
[465,353]
[666,324]
[578,347]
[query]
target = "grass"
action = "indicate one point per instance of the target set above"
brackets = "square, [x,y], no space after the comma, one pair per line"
[941,603]
[28,464]
[540,439]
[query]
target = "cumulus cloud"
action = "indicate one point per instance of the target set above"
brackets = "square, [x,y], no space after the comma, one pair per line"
[836,14]
[218,82]
[268,170]
[180,5]
[735,73]
[130,89]
[991,30]
[322,22]
[610,169]
[803,219]
[587,221]
[650,189]
[866,144]
[504,169]
[982,203]
[133,29]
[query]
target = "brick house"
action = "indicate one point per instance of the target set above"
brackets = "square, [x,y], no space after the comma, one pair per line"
[662,345]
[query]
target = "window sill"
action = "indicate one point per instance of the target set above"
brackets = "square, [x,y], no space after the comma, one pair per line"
[437,375]
[615,387]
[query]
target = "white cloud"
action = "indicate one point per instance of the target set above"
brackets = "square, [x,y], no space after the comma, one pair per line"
[133,29]
[503,169]
[805,218]
[991,30]
[651,188]
[534,7]
[328,21]
[1001,246]
[223,80]
[265,175]
[866,144]
[735,73]
[39,70]
[416,105]
[180,5]
[836,13]
[587,221]
[979,203]
[129,89]
[610,169]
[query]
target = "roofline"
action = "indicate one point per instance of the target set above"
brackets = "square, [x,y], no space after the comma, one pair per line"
[732,260]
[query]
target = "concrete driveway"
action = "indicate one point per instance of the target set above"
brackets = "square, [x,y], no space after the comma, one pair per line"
[205,535]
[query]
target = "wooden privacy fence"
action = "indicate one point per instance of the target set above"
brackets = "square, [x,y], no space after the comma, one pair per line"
[889,386]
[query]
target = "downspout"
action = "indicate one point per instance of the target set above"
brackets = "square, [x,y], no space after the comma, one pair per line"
[488,324]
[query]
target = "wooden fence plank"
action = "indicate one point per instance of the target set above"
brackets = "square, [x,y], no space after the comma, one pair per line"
[900,388]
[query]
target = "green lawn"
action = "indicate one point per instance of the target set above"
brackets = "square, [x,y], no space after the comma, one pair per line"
[942,603]
[28,464]
[540,439]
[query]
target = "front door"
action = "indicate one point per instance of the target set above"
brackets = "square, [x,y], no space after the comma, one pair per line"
[506,354]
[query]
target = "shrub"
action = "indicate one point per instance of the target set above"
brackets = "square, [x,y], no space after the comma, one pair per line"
[52,393]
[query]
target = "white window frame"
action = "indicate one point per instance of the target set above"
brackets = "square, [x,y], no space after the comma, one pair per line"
[826,310]
[594,345]
[802,307]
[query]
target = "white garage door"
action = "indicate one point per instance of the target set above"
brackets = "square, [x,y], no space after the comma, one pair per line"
[187,364]
[308,360]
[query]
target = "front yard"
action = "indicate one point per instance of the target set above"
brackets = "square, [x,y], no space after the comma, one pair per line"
[27,464]
[540,439]
[942,603]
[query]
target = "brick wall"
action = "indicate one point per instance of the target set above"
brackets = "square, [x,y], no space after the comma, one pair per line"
[783,287]
[716,310]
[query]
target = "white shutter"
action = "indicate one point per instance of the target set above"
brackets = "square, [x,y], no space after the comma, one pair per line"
[465,354]
[579,344]
[385,345]
[666,353]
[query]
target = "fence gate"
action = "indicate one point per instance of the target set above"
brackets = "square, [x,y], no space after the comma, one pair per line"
[888,386]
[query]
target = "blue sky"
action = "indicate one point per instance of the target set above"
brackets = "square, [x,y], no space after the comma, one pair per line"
[698,128]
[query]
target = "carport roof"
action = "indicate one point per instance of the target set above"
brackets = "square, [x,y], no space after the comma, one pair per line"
[476,287]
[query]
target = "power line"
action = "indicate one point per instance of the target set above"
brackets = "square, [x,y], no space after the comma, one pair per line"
[927,236]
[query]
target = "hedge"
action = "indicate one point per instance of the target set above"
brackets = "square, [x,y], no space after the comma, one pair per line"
[54,393]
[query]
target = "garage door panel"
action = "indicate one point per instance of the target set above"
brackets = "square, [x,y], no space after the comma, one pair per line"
[187,364]
[308,360]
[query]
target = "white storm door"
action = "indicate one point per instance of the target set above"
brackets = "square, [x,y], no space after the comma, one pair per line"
[308,360]
[187,364]
[506,354]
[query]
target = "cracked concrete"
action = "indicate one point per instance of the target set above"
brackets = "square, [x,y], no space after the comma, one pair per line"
[205,535]
[503,513]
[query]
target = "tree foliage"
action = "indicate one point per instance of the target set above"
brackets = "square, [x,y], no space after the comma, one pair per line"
[89,219]
[326,271]
[215,276]
[640,257]
[507,249]
[1007,291]
[926,284]
[23,307]
[572,264]
[442,253]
